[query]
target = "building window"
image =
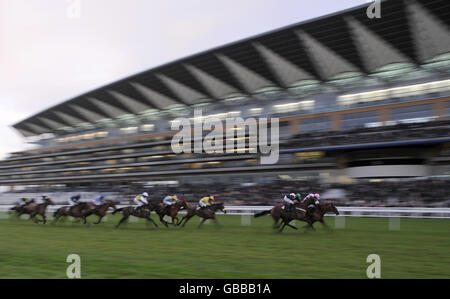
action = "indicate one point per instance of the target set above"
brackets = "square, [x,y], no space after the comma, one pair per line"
[148,128]
[296,106]
[129,130]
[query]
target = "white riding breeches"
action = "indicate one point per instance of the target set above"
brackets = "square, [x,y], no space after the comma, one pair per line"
[287,200]
[140,202]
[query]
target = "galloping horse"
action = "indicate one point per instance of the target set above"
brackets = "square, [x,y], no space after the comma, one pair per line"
[23,209]
[205,213]
[79,211]
[298,213]
[101,210]
[171,211]
[143,212]
[278,213]
[324,208]
[40,209]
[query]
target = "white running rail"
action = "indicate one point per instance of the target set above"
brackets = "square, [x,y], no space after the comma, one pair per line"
[392,212]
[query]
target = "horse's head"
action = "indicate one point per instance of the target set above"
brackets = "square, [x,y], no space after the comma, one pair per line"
[49,201]
[330,207]
[220,207]
[182,203]
[151,206]
[111,204]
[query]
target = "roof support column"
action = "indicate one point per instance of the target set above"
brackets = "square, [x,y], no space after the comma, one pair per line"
[336,123]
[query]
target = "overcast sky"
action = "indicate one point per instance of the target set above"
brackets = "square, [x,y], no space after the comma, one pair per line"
[48,54]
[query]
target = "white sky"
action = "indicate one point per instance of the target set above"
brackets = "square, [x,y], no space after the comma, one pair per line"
[47,57]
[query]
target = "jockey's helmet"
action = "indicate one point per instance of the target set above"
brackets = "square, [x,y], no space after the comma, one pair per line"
[145,194]
[291,196]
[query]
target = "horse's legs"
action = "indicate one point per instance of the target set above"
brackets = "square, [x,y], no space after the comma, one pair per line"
[275,222]
[32,217]
[186,220]
[161,218]
[56,218]
[292,226]
[311,225]
[99,220]
[181,221]
[151,220]
[282,227]
[45,218]
[124,218]
[203,221]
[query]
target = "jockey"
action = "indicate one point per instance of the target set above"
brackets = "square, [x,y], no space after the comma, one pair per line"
[169,200]
[26,201]
[312,202]
[289,201]
[99,200]
[74,201]
[141,200]
[206,201]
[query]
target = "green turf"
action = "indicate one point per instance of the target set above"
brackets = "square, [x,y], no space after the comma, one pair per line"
[421,249]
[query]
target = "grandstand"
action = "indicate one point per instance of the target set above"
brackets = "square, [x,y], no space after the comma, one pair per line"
[363,106]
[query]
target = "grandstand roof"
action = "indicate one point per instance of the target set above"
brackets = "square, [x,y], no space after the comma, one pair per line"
[325,49]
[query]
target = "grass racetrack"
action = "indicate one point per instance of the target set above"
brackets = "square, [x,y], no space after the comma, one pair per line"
[420,249]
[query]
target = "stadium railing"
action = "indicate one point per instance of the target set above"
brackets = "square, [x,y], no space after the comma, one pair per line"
[375,212]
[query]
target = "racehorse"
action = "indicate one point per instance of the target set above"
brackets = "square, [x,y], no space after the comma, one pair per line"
[171,211]
[23,209]
[142,212]
[319,213]
[40,209]
[81,210]
[299,212]
[278,212]
[101,210]
[205,213]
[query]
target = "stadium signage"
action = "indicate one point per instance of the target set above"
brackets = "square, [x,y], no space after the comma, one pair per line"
[229,136]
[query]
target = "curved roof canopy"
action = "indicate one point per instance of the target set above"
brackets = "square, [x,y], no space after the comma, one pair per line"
[323,49]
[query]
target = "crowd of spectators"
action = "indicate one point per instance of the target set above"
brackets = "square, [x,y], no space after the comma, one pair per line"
[399,132]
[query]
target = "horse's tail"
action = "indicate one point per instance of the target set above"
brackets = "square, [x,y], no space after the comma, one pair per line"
[262,213]
[117,211]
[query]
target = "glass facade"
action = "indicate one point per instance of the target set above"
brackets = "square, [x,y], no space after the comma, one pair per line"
[358,120]
[315,124]
[405,113]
